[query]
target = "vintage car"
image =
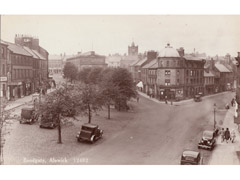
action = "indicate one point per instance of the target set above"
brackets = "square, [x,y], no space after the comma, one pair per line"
[197,98]
[90,133]
[28,115]
[190,157]
[208,140]
[47,122]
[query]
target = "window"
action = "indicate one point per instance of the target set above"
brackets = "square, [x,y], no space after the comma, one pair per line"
[167,82]
[178,72]
[167,72]
[191,73]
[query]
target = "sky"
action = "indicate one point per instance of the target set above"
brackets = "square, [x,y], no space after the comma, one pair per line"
[109,34]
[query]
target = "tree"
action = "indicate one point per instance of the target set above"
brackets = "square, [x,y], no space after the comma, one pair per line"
[108,88]
[57,104]
[83,75]
[123,80]
[70,71]
[90,99]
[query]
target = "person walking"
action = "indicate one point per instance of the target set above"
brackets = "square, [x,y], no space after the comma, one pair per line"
[233,135]
[232,102]
[222,133]
[227,135]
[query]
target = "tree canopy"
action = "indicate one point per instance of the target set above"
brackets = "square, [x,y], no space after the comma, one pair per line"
[70,71]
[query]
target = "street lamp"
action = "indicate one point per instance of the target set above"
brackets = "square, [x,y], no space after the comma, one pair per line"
[214,124]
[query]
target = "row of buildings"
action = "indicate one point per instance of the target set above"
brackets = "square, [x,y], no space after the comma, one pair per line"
[24,67]
[172,74]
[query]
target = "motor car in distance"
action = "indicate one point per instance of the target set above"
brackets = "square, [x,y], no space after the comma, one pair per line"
[47,122]
[197,98]
[190,157]
[28,115]
[90,133]
[208,140]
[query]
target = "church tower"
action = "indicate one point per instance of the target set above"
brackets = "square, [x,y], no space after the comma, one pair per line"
[132,50]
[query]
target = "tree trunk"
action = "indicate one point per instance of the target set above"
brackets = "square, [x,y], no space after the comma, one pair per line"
[89,114]
[59,131]
[108,111]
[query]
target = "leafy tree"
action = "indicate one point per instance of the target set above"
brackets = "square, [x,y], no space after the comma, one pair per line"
[83,75]
[57,104]
[70,71]
[109,90]
[122,79]
[90,99]
[95,75]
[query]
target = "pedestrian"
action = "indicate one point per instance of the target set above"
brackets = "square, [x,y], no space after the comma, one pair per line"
[232,102]
[227,135]
[137,98]
[222,133]
[233,135]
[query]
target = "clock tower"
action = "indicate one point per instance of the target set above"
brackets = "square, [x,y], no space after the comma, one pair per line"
[132,50]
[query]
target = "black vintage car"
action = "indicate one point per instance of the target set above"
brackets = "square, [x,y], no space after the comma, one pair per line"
[190,157]
[197,98]
[208,140]
[90,133]
[28,115]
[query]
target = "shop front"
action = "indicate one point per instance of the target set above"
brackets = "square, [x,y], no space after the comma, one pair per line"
[3,87]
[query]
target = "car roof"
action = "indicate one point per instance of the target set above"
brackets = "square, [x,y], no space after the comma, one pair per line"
[28,108]
[208,132]
[191,153]
[90,125]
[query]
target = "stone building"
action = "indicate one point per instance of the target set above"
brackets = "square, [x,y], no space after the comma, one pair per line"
[172,75]
[3,69]
[88,59]
[27,66]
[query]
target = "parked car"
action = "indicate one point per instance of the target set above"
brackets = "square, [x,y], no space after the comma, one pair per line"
[47,122]
[208,140]
[28,115]
[197,98]
[90,133]
[190,157]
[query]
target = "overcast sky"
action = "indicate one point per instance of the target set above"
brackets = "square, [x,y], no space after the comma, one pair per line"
[112,34]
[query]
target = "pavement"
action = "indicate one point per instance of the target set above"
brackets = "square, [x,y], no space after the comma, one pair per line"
[178,102]
[226,153]
[21,101]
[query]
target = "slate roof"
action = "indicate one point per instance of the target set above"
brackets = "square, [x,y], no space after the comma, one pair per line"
[193,58]
[221,68]
[208,74]
[39,55]
[31,52]
[17,49]
[151,64]
[139,63]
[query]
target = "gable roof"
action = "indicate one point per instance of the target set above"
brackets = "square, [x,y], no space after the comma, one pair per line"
[221,68]
[17,49]
[151,64]
[30,52]
[208,74]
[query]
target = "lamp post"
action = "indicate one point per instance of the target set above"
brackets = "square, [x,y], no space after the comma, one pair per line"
[214,111]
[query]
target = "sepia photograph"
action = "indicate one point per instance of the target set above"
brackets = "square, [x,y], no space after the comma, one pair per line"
[119,89]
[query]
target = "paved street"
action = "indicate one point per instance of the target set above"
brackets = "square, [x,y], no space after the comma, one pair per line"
[151,133]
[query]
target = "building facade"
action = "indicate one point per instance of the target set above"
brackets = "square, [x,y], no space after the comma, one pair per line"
[3,69]
[173,76]
[27,66]
[86,60]
[56,64]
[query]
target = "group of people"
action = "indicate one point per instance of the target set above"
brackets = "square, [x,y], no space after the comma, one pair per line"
[227,135]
